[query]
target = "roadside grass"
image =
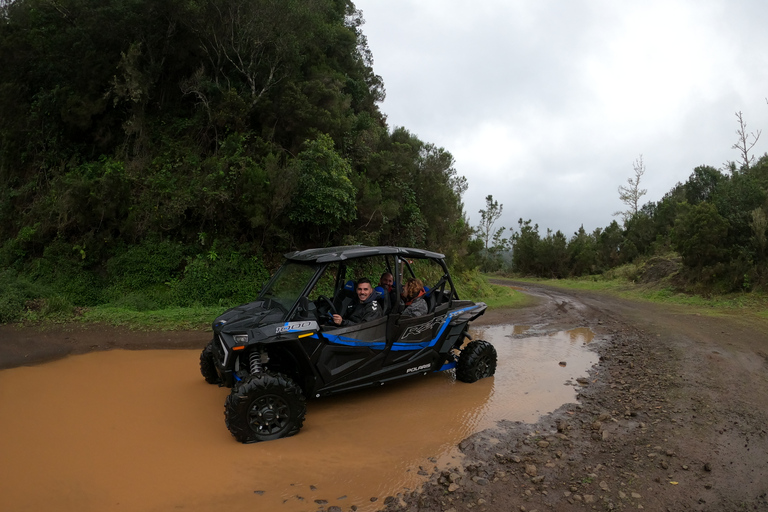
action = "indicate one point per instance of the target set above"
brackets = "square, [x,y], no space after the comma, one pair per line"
[753,303]
[476,287]
[168,319]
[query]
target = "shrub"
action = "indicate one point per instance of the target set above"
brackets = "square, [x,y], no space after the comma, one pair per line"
[213,280]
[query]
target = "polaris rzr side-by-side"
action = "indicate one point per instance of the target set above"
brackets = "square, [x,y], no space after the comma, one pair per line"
[283,347]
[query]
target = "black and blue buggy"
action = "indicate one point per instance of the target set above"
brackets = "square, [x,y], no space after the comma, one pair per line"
[283,347]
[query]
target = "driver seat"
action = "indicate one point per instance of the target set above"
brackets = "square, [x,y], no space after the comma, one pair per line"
[345,296]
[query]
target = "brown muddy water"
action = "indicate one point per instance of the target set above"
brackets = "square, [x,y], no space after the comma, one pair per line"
[142,431]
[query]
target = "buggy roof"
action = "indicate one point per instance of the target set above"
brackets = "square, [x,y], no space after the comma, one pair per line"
[328,254]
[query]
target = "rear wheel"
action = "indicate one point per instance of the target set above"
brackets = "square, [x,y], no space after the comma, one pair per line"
[208,366]
[476,361]
[264,407]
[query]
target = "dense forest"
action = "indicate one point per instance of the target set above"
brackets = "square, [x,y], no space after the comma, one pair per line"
[167,152]
[156,143]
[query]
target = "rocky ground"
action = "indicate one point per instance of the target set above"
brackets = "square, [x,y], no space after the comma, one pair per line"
[674,417]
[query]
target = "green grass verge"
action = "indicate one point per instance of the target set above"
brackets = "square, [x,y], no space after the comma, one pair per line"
[168,319]
[476,287]
[753,303]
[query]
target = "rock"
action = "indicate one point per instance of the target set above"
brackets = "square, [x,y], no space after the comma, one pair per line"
[334,508]
[480,480]
[530,470]
[453,487]
[707,467]
[589,498]
[597,425]
[604,485]
[537,479]
[563,363]
[636,496]
[543,444]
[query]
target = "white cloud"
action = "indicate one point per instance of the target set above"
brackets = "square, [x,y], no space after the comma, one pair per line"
[546,104]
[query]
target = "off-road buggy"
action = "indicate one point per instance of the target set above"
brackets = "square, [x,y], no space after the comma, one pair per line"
[281,348]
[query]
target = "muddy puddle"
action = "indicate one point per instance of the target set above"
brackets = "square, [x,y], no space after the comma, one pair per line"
[141,431]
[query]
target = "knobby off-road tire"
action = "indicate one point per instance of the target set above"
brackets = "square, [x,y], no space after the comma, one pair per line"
[476,361]
[207,366]
[266,406]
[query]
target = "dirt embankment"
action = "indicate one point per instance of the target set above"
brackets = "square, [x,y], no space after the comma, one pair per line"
[674,417]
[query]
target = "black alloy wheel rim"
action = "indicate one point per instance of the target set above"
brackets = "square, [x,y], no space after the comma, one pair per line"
[482,368]
[269,415]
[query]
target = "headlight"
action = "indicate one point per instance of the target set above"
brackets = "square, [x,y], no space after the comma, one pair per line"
[241,338]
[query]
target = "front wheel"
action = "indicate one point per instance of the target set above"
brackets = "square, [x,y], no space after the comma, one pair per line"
[264,407]
[208,366]
[477,360]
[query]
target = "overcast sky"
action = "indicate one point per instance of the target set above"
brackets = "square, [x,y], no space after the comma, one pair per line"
[547,104]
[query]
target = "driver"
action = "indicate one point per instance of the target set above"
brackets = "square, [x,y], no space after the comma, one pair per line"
[366,308]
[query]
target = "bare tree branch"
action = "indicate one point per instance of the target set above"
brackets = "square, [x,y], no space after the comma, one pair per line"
[631,194]
[745,142]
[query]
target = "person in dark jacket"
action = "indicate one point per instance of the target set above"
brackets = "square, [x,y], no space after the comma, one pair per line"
[365,309]
[413,295]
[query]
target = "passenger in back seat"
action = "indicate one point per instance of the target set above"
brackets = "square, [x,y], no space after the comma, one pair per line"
[413,295]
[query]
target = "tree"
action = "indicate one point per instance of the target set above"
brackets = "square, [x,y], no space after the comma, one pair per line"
[631,194]
[699,235]
[488,218]
[326,196]
[745,143]
[526,248]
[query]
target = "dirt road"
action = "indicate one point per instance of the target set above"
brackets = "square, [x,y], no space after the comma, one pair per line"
[674,417]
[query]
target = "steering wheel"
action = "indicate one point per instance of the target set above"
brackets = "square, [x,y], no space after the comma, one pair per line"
[328,315]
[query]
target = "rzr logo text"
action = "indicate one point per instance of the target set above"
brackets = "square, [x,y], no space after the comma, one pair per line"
[418,329]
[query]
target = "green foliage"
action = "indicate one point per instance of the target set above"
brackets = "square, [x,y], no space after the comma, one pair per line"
[62,270]
[325,197]
[15,293]
[699,235]
[226,280]
[142,141]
